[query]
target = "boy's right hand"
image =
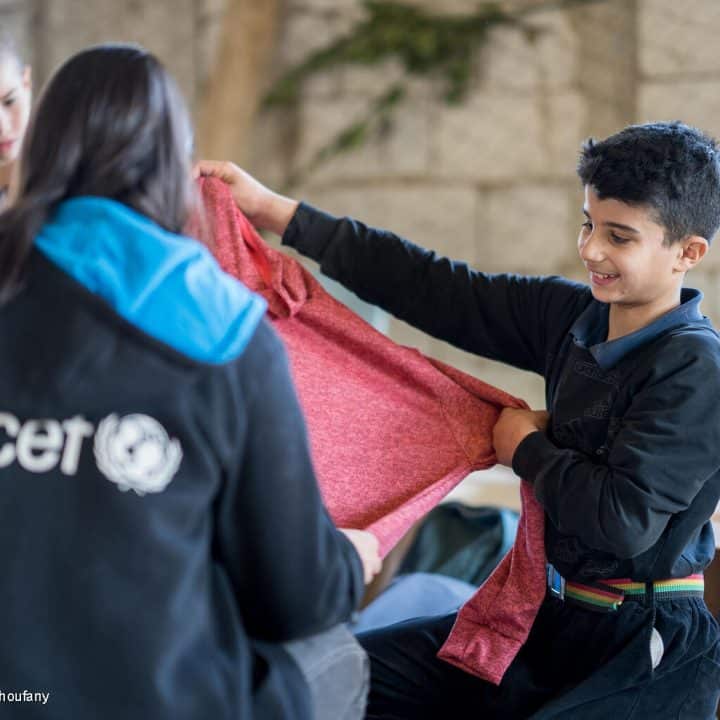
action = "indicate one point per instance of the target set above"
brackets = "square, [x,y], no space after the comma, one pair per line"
[367,547]
[512,427]
[264,208]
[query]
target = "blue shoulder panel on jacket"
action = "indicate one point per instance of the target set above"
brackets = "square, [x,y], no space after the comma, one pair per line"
[167,285]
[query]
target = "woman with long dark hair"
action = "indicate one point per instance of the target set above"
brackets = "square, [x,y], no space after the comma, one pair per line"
[163,545]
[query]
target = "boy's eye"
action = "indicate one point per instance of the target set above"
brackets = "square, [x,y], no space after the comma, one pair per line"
[8,102]
[587,225]
[618,240]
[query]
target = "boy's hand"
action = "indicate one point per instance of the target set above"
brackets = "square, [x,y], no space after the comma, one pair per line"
[367,547]
[264,208]
[512,427]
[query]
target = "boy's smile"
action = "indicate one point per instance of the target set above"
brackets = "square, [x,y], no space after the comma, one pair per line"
[629,265]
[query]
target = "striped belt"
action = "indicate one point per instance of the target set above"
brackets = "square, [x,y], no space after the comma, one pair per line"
[609,595]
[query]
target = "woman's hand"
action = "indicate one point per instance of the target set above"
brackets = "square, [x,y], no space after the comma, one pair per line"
[264,208]
[512,427]
[367,547]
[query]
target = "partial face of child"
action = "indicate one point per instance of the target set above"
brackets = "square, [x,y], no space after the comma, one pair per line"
[15,99]
[629,265]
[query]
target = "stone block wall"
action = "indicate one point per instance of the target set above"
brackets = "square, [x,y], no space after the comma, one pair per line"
[490,181]
[183,33]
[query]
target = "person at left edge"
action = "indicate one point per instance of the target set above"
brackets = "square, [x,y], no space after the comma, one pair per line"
[164,549]
[15,99]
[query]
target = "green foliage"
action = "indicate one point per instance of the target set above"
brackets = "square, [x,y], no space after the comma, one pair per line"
[376,121]
[426,45]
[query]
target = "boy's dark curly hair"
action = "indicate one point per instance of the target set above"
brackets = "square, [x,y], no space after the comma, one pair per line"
[669,167]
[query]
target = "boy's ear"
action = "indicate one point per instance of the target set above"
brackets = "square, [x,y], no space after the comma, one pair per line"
[693,249]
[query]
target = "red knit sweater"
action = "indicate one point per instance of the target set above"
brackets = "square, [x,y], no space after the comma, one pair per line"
[391,431]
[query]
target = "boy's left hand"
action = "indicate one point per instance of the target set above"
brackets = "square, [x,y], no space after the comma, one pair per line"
[265,209]
[512,427]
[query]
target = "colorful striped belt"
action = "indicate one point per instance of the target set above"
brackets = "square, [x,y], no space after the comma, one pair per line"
[609,595]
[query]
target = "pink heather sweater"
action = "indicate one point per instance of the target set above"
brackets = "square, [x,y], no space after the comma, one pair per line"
[391,431]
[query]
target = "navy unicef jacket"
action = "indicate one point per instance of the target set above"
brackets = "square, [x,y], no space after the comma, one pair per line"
[160,526]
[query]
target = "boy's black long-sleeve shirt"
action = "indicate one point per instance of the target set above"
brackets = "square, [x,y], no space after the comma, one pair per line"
[628,472]
[161,528]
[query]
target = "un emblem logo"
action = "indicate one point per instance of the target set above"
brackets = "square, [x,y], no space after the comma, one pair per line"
[136,453]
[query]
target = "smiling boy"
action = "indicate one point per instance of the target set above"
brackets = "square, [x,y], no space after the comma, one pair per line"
[627,469]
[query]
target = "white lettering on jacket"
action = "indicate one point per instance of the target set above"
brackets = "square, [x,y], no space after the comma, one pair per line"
[40,444]
[134,451]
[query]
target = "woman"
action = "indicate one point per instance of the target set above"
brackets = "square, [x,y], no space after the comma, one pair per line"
[163,543]
[15,99]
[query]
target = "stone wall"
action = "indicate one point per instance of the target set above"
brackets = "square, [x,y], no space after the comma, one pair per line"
[183,33]
[490,181]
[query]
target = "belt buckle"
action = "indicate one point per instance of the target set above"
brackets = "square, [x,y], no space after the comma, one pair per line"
[556,583]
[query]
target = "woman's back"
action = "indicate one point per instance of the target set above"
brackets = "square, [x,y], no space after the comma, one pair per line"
[162,530]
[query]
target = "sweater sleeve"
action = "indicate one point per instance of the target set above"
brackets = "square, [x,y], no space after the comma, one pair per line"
[293,573]
[664,452]
[510,318]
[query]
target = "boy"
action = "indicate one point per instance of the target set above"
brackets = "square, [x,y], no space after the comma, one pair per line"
[627,469]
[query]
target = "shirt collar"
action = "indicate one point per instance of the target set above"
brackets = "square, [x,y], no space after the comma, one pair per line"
[591,328]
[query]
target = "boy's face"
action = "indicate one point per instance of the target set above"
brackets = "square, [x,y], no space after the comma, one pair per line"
[628,263]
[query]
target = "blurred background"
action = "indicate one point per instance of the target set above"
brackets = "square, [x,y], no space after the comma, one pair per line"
[486,175]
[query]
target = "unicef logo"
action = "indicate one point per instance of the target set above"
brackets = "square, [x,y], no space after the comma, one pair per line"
[136,453]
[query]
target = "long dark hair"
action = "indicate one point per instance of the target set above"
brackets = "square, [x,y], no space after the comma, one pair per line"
[111,123]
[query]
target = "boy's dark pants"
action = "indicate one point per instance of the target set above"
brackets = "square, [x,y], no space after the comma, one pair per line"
[576,664]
